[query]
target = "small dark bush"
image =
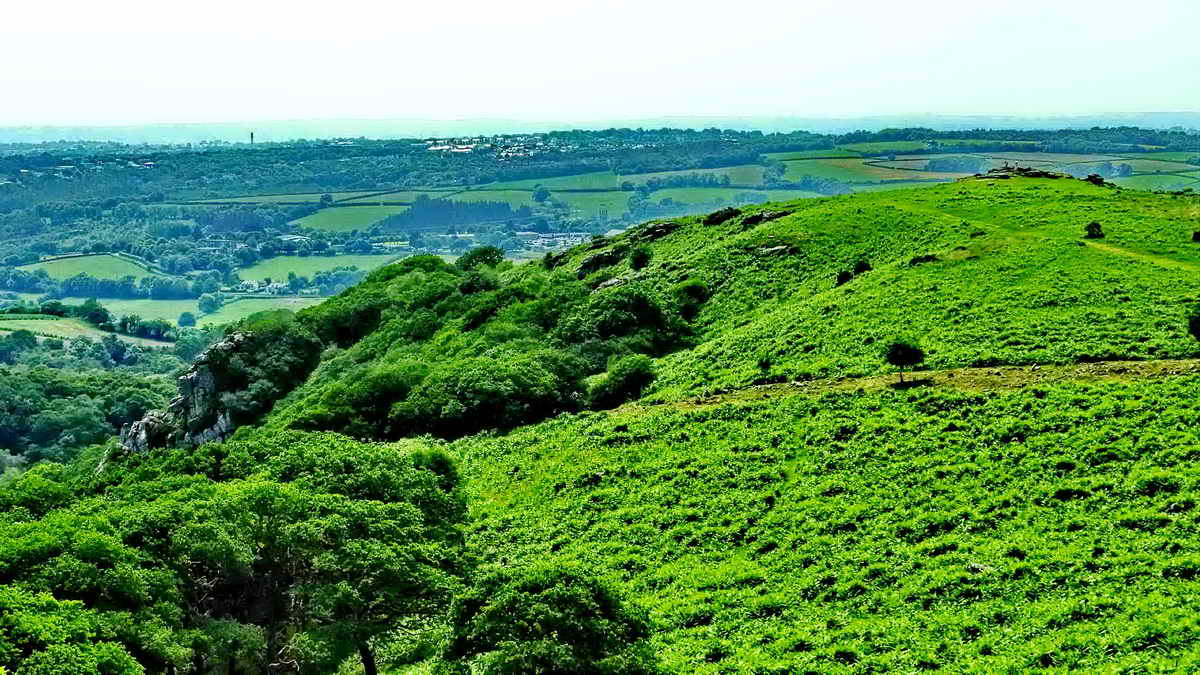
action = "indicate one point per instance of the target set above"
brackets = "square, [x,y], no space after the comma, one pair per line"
[639,257]
[627,378]
[1093,231]
[718,217]
[843,277]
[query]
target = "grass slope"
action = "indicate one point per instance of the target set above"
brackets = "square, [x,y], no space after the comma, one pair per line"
[348,218]
[277,268]
[100,266]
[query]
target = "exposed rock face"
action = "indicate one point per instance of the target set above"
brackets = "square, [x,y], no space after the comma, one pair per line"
[193,417]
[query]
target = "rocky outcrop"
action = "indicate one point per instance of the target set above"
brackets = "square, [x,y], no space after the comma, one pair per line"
[196,415]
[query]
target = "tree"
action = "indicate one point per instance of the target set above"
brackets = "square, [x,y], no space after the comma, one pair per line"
[210,302]
[1194,324]
[627,378]
[541,194]
[904,354]
[488,256]
[546,619]
[1093,231]
[187,320]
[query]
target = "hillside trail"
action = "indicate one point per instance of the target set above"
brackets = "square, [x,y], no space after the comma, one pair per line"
[994,378]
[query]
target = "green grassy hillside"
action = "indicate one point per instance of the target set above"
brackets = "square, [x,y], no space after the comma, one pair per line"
[699,414]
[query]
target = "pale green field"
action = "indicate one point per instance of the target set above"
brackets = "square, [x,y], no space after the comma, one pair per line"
[882,187]
[708,195]
[67,329]
[306,198]
[240,309]
[101,266]
[167,310]
[810,154]
[403,197]
[1159,166]
[277,268]
[589,204]
[348,218]
[1159,182]
[854,171]
[1180,156]
[746,174]
[1060,158]
[885,146]
[980,141]
[600,180]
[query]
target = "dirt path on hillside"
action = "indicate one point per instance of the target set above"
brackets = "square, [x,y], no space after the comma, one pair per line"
[962,379]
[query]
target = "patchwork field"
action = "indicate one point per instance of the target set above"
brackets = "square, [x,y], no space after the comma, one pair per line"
[67,329]
[402,197]
[101,266]
[240,309]
[601,180]
[303,198]
[746,174]
[811,154]
[1159,182]
[855,171]
[710,195]
[348,218]
[589,204]
[277,268]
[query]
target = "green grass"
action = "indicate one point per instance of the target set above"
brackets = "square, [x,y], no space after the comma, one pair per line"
[1159,166]
[348,218]
[403,197]
[810,154]
[100,266]
[242,308]
[747,174]
[167,310]
[589,204]
[304,198]
[277,268]
[1166,156]
[709,195]
[854,171]
[882,187]
[886,146]
[600,180]
[67,329]
[514,198]
[898,531]
[1163,182]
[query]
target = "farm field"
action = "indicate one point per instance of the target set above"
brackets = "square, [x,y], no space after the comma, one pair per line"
[1159,166]
[746,174]
[242,308]
[811,154]
[403,197]
[514,198]
[277,268]
[589,204]
[885,146]
[883,187]
[599,180]
[709,195]
[1182,156]
[1159,182]
[304,198]
[101,266]
[854,171]
[348,218]
[69,328]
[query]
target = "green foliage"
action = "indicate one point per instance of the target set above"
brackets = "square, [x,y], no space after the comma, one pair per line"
[627,378]
[639,257]
[546,619]
[484,256]
[903,354]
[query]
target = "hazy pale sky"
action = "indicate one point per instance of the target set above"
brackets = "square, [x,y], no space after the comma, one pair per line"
[139,61]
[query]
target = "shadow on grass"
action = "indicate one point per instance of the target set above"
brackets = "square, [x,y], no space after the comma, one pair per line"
[912,383]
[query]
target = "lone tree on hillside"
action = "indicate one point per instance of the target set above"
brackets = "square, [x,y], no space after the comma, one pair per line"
[1194,323]
[541,194]
[904,354]
[1093,231]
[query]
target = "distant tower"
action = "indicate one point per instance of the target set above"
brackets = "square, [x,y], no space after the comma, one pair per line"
[251,138]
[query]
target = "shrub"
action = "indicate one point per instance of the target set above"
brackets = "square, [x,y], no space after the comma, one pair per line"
[1093,231]
[546,620]
[691,295]
[627,378]
[639,257]
[718,217]
[484,256]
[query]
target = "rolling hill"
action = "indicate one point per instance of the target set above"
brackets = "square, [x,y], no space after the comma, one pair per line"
[699,413]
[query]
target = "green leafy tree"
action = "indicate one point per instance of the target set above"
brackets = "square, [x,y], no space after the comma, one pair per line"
[484,256]
[904,354]
[187,320]
[546,620]
[627,378]
[541,194]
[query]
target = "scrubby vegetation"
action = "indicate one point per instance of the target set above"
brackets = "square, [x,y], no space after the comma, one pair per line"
[680,449]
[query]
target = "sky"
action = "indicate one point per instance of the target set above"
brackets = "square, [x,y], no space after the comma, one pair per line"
[150,61]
